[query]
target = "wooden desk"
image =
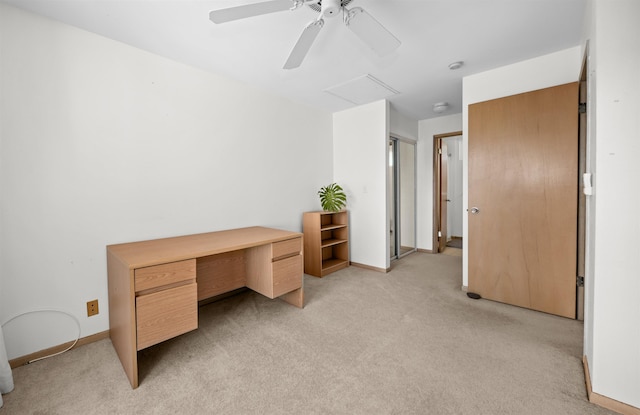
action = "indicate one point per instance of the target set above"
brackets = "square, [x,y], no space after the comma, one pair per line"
[155,286]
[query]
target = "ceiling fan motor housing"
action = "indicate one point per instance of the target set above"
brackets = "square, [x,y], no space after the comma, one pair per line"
[329,8]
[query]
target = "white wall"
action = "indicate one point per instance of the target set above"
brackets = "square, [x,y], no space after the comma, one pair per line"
[545,71]
[612,338]
[360,138]
[103,143]
[428,129]
[401,126]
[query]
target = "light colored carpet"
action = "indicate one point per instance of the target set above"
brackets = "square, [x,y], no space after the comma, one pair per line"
[452,251]
[406,342]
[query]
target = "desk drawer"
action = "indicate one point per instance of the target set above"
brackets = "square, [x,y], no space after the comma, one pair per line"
[286,248]
[166,314]
[165,274]
[286,275]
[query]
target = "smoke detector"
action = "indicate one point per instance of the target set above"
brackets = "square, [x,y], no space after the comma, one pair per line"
[440,107]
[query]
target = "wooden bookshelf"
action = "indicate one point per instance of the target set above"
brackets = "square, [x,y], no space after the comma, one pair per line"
[326,242]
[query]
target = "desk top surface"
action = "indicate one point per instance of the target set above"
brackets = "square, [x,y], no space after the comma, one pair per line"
[159,251]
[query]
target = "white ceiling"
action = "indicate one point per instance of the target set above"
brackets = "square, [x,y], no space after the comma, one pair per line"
[485,34]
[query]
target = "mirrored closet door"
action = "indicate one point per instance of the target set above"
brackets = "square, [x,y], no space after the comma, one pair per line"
[402,197]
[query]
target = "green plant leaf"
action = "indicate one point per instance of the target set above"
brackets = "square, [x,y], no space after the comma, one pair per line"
[332,198]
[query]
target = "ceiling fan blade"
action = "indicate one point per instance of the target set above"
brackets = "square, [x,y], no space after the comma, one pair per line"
[303,44]
[370,31]
[249,10]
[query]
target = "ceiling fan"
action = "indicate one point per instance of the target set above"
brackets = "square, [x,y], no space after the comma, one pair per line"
[368,29]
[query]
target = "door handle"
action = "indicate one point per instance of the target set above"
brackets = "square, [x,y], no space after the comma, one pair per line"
[475,210]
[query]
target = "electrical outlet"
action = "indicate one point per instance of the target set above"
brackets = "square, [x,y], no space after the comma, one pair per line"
[92,308]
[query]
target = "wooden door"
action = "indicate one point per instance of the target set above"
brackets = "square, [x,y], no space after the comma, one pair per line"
[523,155]
[444,196]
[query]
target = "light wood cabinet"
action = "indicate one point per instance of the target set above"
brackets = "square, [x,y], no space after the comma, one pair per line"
[275,269]
[165,314]
[166,301]
[326,242]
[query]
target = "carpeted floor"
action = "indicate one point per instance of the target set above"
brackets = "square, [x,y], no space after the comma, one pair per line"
[406,342]
[452,251]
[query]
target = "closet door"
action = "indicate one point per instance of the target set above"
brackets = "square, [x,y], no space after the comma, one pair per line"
[523,155]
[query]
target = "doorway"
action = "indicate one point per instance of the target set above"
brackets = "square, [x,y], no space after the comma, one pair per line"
[402,197]
[447,191]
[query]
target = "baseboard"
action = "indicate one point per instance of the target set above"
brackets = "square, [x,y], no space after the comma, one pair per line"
[424,251]
[587,377]
[355,264]
[603,401]
[23,360]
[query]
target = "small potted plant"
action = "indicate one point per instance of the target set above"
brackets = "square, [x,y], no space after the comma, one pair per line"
[332,198]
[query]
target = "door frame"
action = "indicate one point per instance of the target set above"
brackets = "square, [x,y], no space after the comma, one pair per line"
[437,146]
[583,160]
[392,202]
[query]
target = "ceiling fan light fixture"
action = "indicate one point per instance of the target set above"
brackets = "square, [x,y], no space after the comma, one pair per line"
[331,8]
[440,107]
